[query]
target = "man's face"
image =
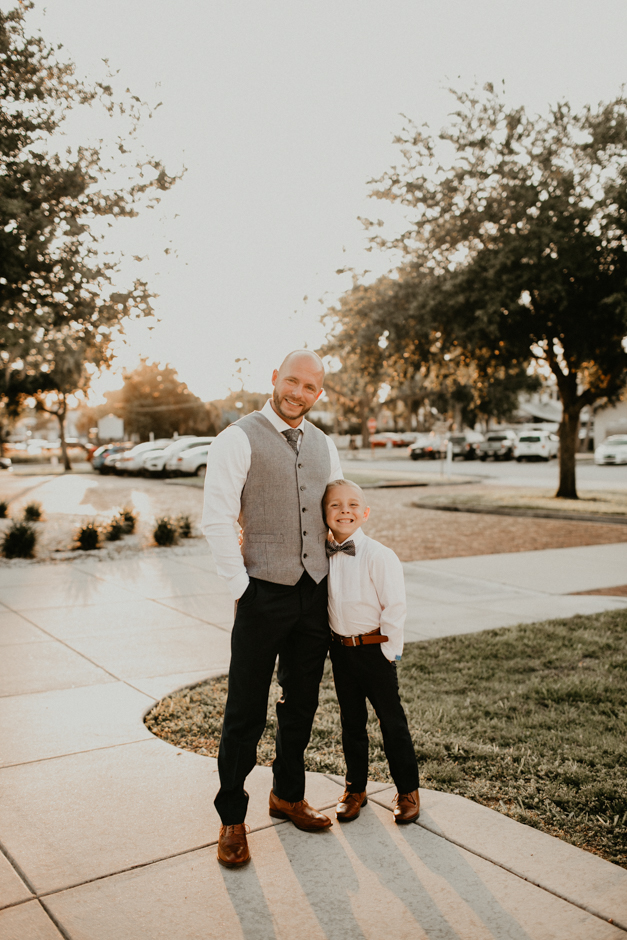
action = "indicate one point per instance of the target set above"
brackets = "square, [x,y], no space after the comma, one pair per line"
[345,511]
[297,387]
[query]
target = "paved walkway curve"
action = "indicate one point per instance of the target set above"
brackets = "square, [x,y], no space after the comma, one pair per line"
[108,832]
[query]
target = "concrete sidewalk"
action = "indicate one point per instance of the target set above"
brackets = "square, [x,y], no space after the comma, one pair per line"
[107,832]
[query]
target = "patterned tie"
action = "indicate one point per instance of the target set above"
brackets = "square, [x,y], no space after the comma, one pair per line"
[333,547]
[291,436]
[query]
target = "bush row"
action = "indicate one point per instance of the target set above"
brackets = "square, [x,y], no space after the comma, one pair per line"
[20,539]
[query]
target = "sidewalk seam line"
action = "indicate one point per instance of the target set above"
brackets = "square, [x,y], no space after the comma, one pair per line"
[18,870]
[57,924]
[517,874]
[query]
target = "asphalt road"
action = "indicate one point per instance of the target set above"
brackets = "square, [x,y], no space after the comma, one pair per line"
[499,473]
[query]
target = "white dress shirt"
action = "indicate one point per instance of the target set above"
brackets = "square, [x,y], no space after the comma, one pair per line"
[228,463]
[367,591]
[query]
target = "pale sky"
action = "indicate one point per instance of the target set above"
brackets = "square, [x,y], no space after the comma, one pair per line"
[281,112]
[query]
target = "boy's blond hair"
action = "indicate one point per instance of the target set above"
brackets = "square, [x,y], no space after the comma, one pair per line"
[343,482]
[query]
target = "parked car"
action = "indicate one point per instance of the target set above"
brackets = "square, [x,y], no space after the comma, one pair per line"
[107,450]
[133,460]
[192,461]
[155,461]
[427,447]
[172,467]
[387,439]
[465,444]
[5,463]
[536,445]
[612,450]
[498,444]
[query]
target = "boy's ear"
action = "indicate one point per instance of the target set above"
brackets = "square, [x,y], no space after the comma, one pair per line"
[366,512]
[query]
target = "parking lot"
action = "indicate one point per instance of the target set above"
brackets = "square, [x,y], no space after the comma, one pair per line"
[69,500]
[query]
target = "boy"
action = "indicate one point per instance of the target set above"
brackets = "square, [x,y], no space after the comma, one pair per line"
[367,612]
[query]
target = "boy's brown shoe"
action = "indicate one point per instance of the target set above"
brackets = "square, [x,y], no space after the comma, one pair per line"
[349,805]
[233,846]
[407,807]
[303,815]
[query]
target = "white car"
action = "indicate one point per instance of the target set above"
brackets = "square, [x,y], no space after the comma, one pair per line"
[133,460]
[171,465]
[192,461]
[612,450]
[156,461]
[536,445]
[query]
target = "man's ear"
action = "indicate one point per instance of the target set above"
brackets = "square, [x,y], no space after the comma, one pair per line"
[275,376]
[366,512]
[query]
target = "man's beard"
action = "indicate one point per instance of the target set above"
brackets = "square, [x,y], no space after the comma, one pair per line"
[277,407]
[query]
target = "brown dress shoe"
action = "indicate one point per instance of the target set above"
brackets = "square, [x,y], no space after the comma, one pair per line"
[233,846]
[303,815]
[407,807]
[349,806]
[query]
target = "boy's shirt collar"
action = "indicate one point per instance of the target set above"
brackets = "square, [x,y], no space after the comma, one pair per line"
[358,536]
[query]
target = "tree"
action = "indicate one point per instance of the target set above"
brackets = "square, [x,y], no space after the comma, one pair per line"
[517,246]
[56,296]
[154,400]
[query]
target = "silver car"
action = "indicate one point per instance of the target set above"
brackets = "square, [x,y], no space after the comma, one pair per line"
[612,450]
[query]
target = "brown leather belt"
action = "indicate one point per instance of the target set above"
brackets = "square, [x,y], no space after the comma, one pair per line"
[362,639]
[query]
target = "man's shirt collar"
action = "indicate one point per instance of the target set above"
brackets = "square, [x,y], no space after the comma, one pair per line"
[268,412]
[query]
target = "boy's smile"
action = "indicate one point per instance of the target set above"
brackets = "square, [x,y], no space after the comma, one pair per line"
[345,511]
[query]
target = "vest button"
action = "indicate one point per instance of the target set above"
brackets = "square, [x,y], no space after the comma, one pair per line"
[304,533]
[300,466]
[305,555]
[302,487]
[304,509]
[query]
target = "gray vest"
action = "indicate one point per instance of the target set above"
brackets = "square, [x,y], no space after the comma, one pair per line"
[281,516]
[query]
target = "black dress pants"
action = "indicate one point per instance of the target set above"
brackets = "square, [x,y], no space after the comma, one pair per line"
[290,621]
[360,673]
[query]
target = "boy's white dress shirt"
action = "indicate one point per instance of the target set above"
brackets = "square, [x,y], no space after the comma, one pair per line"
[368,591]
[228,463]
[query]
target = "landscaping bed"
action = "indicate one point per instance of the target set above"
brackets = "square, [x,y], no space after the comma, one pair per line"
[531,502]
[529,720]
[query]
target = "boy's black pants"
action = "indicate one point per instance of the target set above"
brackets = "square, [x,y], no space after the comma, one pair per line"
[291,622]
[360,673]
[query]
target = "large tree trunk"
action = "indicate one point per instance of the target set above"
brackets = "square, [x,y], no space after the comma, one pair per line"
[568,432]
[61,418]
[363,417]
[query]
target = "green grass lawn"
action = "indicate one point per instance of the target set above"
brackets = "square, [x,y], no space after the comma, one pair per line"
[529,720]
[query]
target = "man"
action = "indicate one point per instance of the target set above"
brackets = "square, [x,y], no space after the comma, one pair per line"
[268,473]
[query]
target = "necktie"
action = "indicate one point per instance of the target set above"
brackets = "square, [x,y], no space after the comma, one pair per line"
[291,435]
[333,547]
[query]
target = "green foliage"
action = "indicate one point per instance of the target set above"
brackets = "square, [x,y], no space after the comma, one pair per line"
[19,540]
[184,526]
[129,520]
[88,537]
[58,312]
[165,531]
[4,509]
[529,720]
[153,399]
[32,512]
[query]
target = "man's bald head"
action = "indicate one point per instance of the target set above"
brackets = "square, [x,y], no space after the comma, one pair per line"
[297,385]
[308,356]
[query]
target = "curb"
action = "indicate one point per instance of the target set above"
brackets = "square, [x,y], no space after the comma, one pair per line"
[529,513]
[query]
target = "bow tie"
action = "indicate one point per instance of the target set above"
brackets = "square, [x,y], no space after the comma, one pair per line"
[347,547]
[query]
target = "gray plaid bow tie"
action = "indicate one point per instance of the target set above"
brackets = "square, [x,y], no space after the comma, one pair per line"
[291,435]
[333,547]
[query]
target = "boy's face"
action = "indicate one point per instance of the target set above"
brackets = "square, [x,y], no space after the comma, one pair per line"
[345,511]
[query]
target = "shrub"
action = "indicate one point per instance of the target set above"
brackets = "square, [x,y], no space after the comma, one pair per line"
[4,509]
[32,512]
[128,519]
[88,537]
[184,526]
[115,530]
[19,541]
[166,531]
